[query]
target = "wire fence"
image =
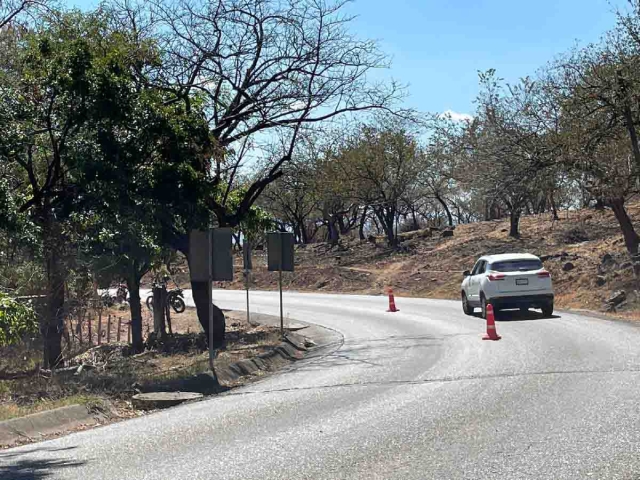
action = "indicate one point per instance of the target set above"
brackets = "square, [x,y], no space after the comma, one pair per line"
[96,324]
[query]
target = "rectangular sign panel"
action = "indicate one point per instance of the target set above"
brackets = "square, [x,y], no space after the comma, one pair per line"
[221,256]
[280,251]
[199,256]
[246,255]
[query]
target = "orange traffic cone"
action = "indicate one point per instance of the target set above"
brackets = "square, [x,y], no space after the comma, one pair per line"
[492,334]
[392,302]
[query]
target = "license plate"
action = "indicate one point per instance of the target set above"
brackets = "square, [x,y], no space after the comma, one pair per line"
[522,281]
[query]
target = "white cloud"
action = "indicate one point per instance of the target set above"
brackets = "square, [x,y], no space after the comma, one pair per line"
[457,117]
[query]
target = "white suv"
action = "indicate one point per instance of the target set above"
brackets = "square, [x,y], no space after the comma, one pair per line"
[513,280]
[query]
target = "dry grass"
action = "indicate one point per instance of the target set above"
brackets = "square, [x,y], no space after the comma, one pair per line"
[12,410]
[115,375]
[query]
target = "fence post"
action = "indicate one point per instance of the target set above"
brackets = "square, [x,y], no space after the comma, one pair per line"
[129,332]
[109,329]
[99,327]
[89,332]
[119,327]
[159,312]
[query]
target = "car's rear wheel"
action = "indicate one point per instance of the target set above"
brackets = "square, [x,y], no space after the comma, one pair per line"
[547,310]
[483,305]
[466,308]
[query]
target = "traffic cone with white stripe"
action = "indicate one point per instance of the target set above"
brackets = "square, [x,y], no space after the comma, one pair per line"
[492,333]
[392,302]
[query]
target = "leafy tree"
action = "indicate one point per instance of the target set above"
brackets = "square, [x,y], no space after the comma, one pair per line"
[145,153]
[16,320]
[597,89]
[91,144]
[381,164]
[510,151]
[45,103]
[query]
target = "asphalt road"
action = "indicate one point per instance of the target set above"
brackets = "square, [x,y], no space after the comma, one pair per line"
[410,395]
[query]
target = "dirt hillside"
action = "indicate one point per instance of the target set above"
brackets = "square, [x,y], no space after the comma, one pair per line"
[584,251]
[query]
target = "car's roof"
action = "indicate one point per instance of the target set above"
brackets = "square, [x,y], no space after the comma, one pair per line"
[509,256]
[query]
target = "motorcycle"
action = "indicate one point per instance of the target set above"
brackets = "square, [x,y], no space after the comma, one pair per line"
[121,296]
[175,299]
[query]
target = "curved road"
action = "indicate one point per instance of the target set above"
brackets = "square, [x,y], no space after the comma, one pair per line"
[410,395]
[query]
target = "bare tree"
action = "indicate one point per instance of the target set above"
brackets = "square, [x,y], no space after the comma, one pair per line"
[264,69]
[15,12]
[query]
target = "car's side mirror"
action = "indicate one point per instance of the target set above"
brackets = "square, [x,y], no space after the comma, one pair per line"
[466,273]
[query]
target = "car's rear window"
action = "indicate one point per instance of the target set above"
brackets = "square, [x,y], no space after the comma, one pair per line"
[516,265]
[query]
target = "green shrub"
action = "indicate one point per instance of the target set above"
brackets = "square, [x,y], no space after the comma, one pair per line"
[17,320]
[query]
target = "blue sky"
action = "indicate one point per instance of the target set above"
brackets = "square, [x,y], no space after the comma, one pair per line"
[438,46]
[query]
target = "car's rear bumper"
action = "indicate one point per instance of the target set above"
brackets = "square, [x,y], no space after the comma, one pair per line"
[522,301]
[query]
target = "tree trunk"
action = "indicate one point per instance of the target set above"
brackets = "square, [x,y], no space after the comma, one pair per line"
[297,235]
[633,137]
[414,218]
[159,302]
[631,239]
[554,209]
[133,284]
[375,222]
[52,325]
[343,228]
[201,299]
[446,209]
[628,120]
[334,233]
[304,236]
[459,214]
[514,218]
[387,219]
[363,221]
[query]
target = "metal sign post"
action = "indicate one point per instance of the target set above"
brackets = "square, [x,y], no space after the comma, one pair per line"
[210,259]
[246,255]
[210,305]
[246,286]
[280,258]
[281,314]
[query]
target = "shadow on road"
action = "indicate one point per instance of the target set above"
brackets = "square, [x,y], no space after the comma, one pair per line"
[518,316]
[18,466]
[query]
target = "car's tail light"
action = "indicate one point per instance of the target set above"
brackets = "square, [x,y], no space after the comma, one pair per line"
[544,274]
[494,277]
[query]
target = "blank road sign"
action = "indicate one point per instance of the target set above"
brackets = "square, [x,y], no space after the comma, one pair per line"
[246,255]
[222,258]
[199,256]
[210,256]
[280,251]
